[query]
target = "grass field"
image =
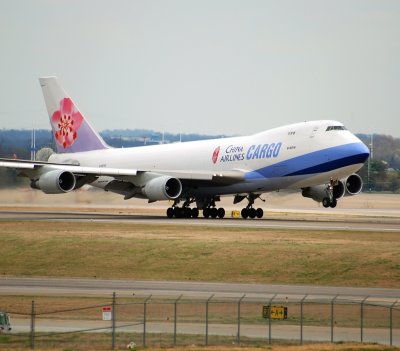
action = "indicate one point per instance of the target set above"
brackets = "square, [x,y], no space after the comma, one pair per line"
[311,347]
[318,347]
[132,251]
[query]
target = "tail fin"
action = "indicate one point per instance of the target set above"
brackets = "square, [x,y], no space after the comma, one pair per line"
[71,130]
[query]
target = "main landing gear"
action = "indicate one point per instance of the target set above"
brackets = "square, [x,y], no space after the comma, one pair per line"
[249,211]
[210,210]
[208,206]
[183,212]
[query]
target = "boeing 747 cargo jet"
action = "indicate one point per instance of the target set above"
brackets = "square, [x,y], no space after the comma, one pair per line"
[318,157]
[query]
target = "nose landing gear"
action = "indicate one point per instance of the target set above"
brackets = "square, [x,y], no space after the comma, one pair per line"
[330,200]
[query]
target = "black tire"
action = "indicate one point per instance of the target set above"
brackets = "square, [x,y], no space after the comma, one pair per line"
[178,212]
[326,202]
[252,213]
[206,213]
[214,212]
[244,213]
[333,203]
[221,212]
[259,213]
[170,212]
[187,212]
[195,212]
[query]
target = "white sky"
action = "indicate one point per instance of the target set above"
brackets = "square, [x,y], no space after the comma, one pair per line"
[207,66]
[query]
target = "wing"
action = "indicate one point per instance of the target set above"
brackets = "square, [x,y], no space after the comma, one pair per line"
[59,178]
[32,166]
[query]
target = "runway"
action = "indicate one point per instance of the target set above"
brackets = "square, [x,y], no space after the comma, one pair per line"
[261,332]
[99,287]
[277,220]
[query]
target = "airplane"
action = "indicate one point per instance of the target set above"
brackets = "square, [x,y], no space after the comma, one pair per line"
[318,157]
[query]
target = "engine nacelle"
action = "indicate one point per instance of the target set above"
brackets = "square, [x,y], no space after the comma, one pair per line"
[353,185]
[162,188]
[345,187]
[319,192]
[55,182]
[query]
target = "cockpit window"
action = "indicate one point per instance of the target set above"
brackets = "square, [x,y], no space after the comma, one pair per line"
[335,128]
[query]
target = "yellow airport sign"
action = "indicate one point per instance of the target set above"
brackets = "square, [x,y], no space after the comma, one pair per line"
[275,312]
[235,214]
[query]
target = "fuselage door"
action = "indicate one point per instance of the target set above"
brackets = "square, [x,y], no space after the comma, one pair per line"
[314,131]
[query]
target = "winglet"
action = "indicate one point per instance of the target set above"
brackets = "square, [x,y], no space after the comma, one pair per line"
[71,130]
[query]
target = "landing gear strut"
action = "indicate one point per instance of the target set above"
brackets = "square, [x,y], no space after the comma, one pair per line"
[249,211]
[182,212]
[210,209]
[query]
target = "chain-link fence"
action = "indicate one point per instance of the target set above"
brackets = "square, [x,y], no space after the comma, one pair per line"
[116,322]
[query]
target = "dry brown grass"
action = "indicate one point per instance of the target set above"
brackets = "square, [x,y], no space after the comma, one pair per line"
[135,251]
[311,347]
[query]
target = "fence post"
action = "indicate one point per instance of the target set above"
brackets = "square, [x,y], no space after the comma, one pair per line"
[332,316]
[207,302]
[113,313]
[362,319]
[301,318]
[238,332]
[269,319]
[175,317]
[144,319]
[33,316]
[391,321]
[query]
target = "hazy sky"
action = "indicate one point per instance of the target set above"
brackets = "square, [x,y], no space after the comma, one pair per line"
[207,66]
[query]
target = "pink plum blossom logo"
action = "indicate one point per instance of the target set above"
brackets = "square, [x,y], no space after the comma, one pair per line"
[66,121]
[215,155]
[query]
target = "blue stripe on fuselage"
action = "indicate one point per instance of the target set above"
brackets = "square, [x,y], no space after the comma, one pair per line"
[315,162]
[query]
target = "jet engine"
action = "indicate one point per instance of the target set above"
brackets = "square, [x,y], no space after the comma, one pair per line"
[345,187]
[55,182]
[319,192]
[162,188]
[353,185]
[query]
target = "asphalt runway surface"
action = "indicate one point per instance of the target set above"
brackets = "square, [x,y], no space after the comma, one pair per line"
[281,332]
[340,221]
[144,288]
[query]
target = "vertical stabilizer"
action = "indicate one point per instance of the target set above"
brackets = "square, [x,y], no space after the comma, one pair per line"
[71,130]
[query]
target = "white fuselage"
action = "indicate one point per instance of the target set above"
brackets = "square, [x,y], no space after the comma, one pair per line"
[293,156]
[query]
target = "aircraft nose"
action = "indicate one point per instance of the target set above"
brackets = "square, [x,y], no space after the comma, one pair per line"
[361,152]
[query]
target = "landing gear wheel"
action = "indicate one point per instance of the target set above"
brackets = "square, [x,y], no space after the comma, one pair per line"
[326,202]
[259,213]
[252,213]
[333,203]
[245,213]
[178,212]
[170,212]
[206,212]
[221,212]
[214,212]
[195,212]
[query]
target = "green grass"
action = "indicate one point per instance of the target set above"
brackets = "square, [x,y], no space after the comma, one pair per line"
[131,251]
